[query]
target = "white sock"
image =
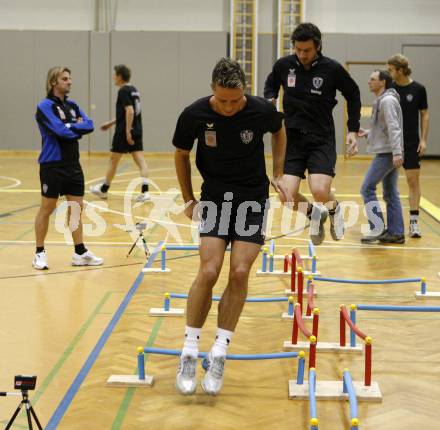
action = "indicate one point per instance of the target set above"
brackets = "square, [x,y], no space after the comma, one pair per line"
[191,344]
[222,340]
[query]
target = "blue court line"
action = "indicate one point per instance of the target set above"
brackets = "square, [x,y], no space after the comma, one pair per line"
[79,379]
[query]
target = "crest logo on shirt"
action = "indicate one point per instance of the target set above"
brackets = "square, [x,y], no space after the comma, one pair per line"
[246,136]
[409,97]
[210,125]
[317,82]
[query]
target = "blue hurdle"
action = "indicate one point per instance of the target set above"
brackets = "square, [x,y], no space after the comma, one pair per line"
[166,310]
[141,379]
[312,400]
[348,388]
[391,308]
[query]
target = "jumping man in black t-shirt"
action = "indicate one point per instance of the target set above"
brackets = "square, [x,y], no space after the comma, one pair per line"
[128,134]
[413,101]
[229,129]
[310,81]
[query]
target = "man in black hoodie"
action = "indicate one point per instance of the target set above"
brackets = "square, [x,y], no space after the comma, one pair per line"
[310,81]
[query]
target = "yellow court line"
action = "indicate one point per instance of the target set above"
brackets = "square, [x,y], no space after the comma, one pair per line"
[430,208]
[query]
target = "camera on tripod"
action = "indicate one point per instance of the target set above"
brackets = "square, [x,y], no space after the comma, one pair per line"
[25,382]
[141,226]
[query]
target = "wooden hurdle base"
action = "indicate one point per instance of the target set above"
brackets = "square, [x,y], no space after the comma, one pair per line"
[332,390]
[427,295]
[322,347]
[289,292]
[161,312]
[285,316]
[129,381]
[283,273]
[155,270]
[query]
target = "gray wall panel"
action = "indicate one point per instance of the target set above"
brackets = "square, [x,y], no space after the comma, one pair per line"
[171,69]
[368,47]
[197,58]
[101,86]
[17,109]
[63,48]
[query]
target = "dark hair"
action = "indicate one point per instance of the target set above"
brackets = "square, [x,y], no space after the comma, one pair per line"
[123,71]
[228,74]
[307,31]
[384,75]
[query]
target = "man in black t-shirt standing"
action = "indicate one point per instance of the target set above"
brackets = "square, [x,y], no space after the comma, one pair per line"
[229,128]
[310,81]
[414,102]
[128,134]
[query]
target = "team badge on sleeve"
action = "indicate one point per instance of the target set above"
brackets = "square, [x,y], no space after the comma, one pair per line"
[246,136]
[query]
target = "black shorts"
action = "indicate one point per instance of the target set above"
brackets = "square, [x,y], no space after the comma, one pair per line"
[59,180]
[411,159]
[311,152]
[247,220]
[120,144]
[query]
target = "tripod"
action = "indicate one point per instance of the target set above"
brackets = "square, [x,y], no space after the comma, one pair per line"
[140,227]
[29,410]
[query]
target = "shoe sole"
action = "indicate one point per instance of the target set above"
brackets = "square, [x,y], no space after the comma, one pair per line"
[209,393]
[318,239]
[40,268]
[185,394]
[415,236]
[87,264]
[104,197]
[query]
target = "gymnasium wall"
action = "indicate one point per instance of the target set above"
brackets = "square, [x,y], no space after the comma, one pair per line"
[172,46]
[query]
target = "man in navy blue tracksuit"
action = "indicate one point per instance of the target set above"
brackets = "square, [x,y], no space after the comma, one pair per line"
[62,123]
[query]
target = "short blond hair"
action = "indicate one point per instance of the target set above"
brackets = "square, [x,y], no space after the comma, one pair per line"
[52,76]
[399,61]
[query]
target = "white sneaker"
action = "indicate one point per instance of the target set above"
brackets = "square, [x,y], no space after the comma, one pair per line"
[414,230]
[213,381]
[40,261]
[317,221]
[143,197]
[337,224]
[186,380]
[96,190]
[86,259]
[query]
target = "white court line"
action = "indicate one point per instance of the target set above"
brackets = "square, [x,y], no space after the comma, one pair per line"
[139,217]
[131,172]
[54,242]
[16,183]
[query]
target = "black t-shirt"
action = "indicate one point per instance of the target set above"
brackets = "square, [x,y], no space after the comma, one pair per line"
[128,95]
[230,150]
[412,99]
[310,95]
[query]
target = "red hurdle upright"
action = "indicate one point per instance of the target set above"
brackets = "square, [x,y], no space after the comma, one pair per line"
[312,336]
[344,318]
